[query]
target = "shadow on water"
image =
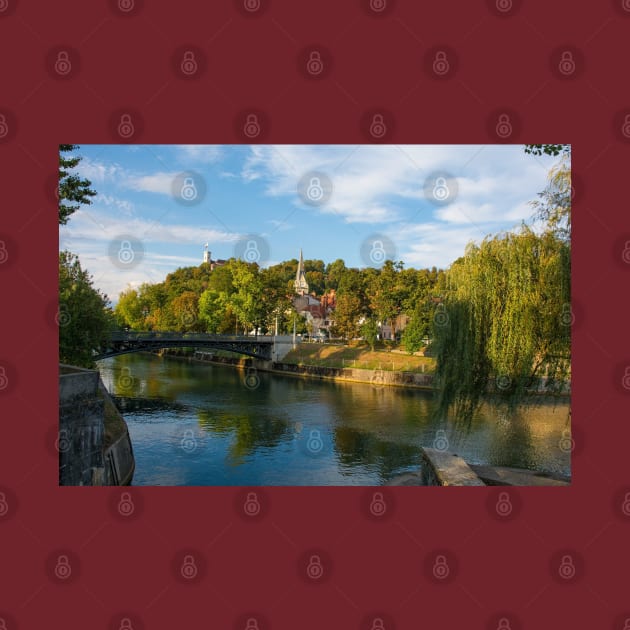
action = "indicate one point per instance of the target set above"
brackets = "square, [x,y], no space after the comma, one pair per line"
[248,434]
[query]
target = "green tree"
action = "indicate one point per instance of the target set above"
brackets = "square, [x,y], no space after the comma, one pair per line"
[506,320]
[84,319]
[417,329]
[129,310]
[185,308]
[369,331]
[215,312]
[548,149]
[247,297]
[73,190]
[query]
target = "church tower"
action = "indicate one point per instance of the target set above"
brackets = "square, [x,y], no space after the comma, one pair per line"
[300,284]
[206,254]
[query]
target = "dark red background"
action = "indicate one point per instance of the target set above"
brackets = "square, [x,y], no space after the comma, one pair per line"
[501,568]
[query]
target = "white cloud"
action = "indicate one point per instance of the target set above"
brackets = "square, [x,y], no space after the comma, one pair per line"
[109,200]
[161,182]
[98,172]
[95,225]
[200,153]
[371,184]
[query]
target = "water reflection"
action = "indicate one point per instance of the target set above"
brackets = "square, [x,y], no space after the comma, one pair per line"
[260,435]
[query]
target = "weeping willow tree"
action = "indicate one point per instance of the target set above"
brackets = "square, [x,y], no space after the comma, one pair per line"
[505,321]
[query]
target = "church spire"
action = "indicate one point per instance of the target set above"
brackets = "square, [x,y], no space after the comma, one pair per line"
[301,285]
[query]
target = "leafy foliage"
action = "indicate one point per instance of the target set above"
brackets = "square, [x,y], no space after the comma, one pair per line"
[72,188]
[84,319]
[548,149]
[507,311]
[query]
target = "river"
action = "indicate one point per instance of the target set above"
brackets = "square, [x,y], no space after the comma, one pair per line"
[198,424]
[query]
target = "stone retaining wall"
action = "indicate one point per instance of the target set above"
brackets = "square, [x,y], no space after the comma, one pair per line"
[354,375]
[83,461]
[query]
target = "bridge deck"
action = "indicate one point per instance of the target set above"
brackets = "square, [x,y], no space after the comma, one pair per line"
[124,342]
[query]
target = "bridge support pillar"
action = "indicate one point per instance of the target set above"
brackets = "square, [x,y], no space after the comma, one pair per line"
[282,344]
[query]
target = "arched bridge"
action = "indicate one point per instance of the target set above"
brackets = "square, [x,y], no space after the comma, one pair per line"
[261,347]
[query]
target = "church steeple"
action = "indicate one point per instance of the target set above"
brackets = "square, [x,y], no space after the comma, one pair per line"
[301,285]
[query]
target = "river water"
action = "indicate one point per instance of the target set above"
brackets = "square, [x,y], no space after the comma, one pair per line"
[197,424]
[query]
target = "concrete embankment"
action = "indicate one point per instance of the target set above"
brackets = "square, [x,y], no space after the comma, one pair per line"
[350,375]
[94,444]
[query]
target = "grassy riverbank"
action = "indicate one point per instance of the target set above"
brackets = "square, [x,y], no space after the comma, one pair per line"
[360,356]
[350,356]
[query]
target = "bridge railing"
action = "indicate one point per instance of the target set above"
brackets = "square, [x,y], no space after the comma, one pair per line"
[176,336]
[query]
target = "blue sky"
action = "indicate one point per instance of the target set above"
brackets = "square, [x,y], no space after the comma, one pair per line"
[417,203]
